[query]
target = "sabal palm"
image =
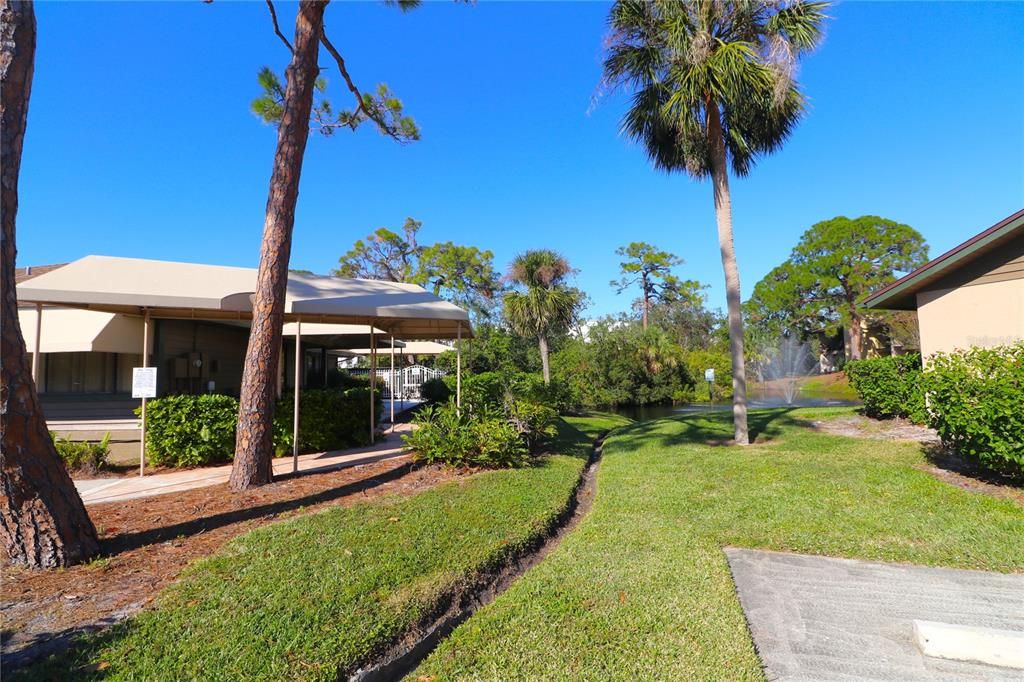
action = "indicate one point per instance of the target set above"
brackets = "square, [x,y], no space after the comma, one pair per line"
[544,303]
[712,85]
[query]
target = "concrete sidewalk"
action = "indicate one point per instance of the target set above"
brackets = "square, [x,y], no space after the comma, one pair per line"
[819,618]
[100,490]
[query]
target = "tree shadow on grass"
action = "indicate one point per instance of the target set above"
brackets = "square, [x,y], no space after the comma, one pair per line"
[709,428]
[129,541]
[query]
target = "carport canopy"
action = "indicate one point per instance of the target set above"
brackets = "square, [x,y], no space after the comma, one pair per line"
[171,290]
[166,289]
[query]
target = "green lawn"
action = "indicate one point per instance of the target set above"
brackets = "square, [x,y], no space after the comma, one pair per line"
[641,588]
[835,386]
[319,594]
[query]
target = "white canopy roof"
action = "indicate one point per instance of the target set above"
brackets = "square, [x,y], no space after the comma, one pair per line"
[403,348]
[67,330]
[190,290]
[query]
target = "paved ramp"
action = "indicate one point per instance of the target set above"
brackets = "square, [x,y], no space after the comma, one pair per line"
[818,618]
[100,490]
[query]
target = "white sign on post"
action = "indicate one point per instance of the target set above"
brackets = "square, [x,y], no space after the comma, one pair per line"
[709,375]
[144,382]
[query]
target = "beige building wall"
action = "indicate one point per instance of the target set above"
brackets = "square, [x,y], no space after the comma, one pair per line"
[985,314]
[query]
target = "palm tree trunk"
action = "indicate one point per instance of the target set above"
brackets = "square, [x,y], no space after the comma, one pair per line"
[545,363]
[254,442]
[723,216]
[42,519]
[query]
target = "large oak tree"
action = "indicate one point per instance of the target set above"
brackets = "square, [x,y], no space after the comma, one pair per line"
[42,519]
[834,266]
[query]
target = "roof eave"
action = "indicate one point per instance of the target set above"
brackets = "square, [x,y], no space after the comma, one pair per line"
[902,294]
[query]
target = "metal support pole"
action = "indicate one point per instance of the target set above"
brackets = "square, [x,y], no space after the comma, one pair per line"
[458,367]
[145,363]
[35,351]
[280,372]
[298,381]
[373,378]
[391,383]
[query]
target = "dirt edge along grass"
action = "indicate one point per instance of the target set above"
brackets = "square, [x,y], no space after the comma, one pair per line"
[421,642]
[642,590]
[322,595]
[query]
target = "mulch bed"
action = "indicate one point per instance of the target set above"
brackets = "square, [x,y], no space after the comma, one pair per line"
[145,543]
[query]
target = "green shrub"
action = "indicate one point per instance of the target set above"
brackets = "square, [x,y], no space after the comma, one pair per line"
[435,390]
[82,456]
[699,360]
[329,419]
[341,379]
[976,403]
[494,389]
[446,434]
[534,422]
[890,386]
[190,430]
[196,430]
[499,444]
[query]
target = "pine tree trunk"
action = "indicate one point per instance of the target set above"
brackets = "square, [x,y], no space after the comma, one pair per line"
[856,338]
[723,216]
[545,365]
[42,518]
[254,442]
[647,307]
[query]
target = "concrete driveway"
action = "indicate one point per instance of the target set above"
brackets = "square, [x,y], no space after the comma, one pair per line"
[819,618]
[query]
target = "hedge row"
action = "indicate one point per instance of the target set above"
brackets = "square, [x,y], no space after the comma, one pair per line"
[889,386]
[976,403]
[193,430]
[974,399]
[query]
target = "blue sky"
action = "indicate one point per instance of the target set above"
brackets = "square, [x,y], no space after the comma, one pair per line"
[141,142]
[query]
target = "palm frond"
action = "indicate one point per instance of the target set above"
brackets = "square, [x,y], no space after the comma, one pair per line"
[678,58]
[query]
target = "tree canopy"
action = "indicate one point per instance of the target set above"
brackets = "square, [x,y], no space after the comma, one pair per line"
[685,61]
[834,266]
[464,275]
[651,269]
[542,302]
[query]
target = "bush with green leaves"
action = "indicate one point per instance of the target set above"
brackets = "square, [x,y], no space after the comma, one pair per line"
[533,421]
[82,456]
[976,403]
[620,363]
[190,430]
[435,390]
[890,386]
[329,419]
[462,438]
[495,389]
[341,379]
[196,430]
[697,361]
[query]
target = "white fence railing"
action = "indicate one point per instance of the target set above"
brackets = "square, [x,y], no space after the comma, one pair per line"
[405,382]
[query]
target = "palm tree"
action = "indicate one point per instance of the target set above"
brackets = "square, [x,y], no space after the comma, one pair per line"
[712,85]
[544,304]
